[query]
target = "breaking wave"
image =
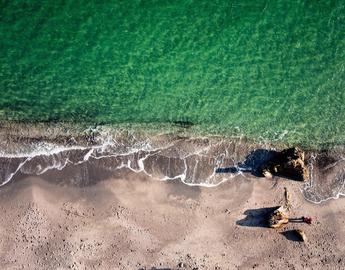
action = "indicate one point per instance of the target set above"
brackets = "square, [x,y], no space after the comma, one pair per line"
[194,161]
[327,177]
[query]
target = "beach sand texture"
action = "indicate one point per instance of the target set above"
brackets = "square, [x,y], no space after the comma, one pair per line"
[128,221]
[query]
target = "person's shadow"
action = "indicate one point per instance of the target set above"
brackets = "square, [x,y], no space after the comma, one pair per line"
[252,163]
[256,217]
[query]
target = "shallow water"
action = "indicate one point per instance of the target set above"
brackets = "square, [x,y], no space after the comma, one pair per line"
[195,161]
[263,69]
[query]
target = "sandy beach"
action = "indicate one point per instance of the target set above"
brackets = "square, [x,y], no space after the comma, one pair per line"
[156,135]
[128,221]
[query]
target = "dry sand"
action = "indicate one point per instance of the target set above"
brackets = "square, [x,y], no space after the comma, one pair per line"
[132,222]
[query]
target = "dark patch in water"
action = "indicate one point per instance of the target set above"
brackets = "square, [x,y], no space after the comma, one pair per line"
[184,123]
[252,163]
[324,160]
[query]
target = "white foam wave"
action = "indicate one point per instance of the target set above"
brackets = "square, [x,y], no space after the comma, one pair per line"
[194,163]
[195,168]
[321,188]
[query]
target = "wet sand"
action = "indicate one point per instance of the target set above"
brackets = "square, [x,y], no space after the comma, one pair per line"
[128,221]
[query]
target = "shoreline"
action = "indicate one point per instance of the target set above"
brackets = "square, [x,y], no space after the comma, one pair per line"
[99,204]
[34,149]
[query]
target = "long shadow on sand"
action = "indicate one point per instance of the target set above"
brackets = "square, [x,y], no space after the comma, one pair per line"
[291,235]
[259,218]
[252,162]
[256,217]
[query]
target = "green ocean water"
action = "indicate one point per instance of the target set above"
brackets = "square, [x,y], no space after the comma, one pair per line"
[271,69]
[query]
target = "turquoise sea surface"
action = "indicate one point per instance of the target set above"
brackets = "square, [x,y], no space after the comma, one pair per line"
[264,69]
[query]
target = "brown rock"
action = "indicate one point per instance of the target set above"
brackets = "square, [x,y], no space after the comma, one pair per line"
[287,163]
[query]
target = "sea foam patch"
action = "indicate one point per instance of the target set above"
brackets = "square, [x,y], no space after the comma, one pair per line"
[193,161]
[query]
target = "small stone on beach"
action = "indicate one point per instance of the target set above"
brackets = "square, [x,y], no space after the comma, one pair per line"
[301,235]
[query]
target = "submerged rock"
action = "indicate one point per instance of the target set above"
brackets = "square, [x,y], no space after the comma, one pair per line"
[279,218]
[287,163]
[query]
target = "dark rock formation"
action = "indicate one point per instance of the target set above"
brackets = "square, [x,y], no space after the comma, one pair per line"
[287,163]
